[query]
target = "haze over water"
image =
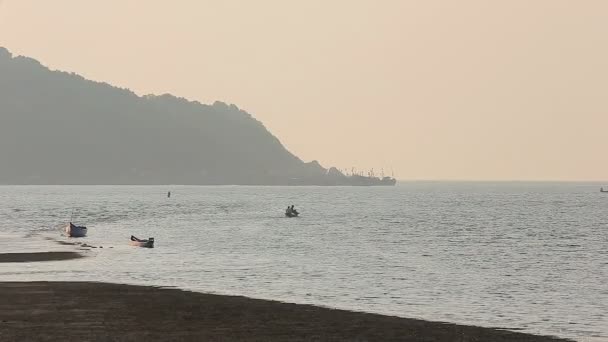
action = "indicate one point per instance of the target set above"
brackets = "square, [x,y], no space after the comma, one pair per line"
[529,256]
[435,89]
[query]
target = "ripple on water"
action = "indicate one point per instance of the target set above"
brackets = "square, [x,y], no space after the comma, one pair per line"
[530,257]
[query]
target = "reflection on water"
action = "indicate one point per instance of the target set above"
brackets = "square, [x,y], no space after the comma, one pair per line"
[529,256]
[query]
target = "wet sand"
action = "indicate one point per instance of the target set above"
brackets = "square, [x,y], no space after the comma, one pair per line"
[81,311]
[41,256]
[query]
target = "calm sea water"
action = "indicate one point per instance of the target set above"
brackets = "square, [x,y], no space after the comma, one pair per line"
[522,256]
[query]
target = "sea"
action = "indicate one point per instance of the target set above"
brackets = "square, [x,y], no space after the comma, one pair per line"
[524,256]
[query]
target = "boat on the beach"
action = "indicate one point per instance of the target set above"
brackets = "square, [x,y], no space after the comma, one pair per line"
[73,230]
[147,243]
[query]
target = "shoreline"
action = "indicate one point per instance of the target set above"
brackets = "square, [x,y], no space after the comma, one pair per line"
[74,311]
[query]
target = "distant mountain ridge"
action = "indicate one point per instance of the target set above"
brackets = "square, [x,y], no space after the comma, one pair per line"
[59,128]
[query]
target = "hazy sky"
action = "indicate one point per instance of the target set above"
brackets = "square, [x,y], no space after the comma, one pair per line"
[468,89]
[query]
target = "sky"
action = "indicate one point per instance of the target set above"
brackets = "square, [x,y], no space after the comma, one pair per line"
[437,90]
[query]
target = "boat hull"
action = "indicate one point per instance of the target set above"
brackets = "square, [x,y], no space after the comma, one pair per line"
[144,244]
[75,231]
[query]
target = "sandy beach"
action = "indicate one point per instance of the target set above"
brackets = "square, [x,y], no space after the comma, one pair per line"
[83,311]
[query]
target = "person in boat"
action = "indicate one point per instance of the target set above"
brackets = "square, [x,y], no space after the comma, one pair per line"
[294,211]
[288,211]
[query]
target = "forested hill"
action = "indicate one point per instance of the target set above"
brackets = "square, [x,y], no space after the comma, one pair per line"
[59,128]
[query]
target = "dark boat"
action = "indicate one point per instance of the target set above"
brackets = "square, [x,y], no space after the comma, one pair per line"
[291,212]
[147,243]
[358,180]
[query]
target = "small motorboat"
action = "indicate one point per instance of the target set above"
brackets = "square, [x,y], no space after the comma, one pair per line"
[148,243]
[292,213]
[602,190]
[73,230]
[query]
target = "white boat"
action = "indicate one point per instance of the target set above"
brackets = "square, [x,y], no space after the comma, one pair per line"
[73,230]
[148,243]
